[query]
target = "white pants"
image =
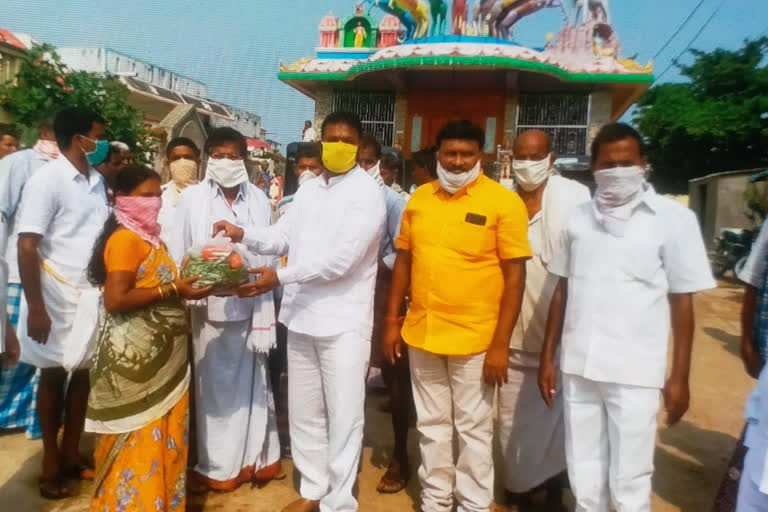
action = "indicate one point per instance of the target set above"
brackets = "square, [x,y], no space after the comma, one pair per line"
[449,394]
[532,436]
[610,436]
[750,498]
[236,423]
[326,405]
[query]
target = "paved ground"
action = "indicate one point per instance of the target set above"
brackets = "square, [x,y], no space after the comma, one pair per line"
[690,458]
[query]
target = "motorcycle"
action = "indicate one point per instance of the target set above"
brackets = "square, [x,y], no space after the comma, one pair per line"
[732,247]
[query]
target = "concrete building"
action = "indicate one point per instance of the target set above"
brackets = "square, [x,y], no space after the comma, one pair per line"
[11,50]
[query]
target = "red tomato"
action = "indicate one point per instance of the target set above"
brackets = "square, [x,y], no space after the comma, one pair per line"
[212,252]
[235,261]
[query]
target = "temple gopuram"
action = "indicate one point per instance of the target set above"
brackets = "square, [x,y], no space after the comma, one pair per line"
[407,67]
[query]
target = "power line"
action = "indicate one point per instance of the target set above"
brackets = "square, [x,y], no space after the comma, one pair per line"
[701,30]
[683,24]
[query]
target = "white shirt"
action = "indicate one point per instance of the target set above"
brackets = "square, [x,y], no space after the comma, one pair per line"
[332,231]
[617,319]
[167,215]
[753,270]
[310,135]
[198,208]
[69,211]
[15,170]
[559,199]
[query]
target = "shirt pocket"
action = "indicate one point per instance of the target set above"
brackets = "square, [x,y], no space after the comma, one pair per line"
[469,239]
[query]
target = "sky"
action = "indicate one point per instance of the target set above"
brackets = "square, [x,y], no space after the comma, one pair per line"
[235,46]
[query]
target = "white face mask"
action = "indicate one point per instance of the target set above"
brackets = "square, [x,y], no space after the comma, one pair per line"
[227,173]
[530,174]
[619,186]
[453,182]
[306,176]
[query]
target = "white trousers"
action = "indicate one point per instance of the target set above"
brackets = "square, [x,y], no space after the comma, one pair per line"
[610,437]
[750,498]
[326,406]
[449,394]
[236,423]
[532,436]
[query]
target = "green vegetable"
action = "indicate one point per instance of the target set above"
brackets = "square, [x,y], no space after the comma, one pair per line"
[216,273]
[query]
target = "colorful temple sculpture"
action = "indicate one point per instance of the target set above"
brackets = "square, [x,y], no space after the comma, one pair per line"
[406,84]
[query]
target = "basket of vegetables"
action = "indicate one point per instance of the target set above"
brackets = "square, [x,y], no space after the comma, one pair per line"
[219,264]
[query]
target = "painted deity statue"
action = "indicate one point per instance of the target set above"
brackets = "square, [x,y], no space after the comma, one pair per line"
[515,10]
[459,17]
[406,20]
[595,10]
[360,35]
[418,10]
[485,18]
[439,10]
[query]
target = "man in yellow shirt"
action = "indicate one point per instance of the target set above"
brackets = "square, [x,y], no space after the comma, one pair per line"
[462,249]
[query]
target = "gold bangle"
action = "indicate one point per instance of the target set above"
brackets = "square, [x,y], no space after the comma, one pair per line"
[162,293]
[175,290]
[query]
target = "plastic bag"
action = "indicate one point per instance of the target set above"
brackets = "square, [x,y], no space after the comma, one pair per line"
[219,263]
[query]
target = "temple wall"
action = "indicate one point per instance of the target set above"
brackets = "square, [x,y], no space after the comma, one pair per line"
[323,106]
[510,119]
[600,107]
[401,113]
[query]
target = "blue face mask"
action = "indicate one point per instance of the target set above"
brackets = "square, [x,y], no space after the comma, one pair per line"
[99,154]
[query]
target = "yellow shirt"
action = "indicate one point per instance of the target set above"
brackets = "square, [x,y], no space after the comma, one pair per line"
[457,243]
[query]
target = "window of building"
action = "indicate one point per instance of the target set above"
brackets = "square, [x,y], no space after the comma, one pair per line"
[376,111]
[564,116]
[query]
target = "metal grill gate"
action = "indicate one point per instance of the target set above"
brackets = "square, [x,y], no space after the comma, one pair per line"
[564,116]
[376,111]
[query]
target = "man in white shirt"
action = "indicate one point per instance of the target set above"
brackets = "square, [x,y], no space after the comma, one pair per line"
[308,134]
[630,262]
[18,406]
[183,159]
[62,212]
[753,487]
[236,427]
[532,436]
[332,233]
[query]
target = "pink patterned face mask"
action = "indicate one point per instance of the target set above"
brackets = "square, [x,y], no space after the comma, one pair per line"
[139,214]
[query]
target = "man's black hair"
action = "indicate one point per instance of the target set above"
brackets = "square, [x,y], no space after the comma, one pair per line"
[226,135]
[349,118]
[71,122]
[7,129]
[369,141]
[427,159]
[615,132]
[393,160]
[462,130]
[309,150]
[182,142]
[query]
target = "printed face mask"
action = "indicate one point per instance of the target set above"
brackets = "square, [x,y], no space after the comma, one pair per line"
[339,157]
[530,174]
[139,214]
[183,172]
[227,173]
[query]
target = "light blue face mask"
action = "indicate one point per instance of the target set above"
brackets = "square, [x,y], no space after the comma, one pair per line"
[100,152]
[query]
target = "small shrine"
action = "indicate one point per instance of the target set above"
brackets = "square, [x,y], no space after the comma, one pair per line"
[429,62]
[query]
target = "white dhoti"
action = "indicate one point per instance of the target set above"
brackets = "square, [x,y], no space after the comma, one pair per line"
[449,393]
[610,437]
[326,402]
[236,425]
[74,312]
[532,436]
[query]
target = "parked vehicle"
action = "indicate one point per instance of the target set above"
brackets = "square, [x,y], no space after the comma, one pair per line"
[732,247]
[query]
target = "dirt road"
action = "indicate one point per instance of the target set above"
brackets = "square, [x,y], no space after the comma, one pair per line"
[690,459]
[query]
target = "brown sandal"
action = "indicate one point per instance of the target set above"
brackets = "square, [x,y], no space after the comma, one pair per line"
[53,488]
[394,480]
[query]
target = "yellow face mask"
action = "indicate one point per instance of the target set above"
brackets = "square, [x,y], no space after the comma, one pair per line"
[339,157]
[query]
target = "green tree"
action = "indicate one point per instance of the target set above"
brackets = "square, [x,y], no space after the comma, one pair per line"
[717,121]
[44,85]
